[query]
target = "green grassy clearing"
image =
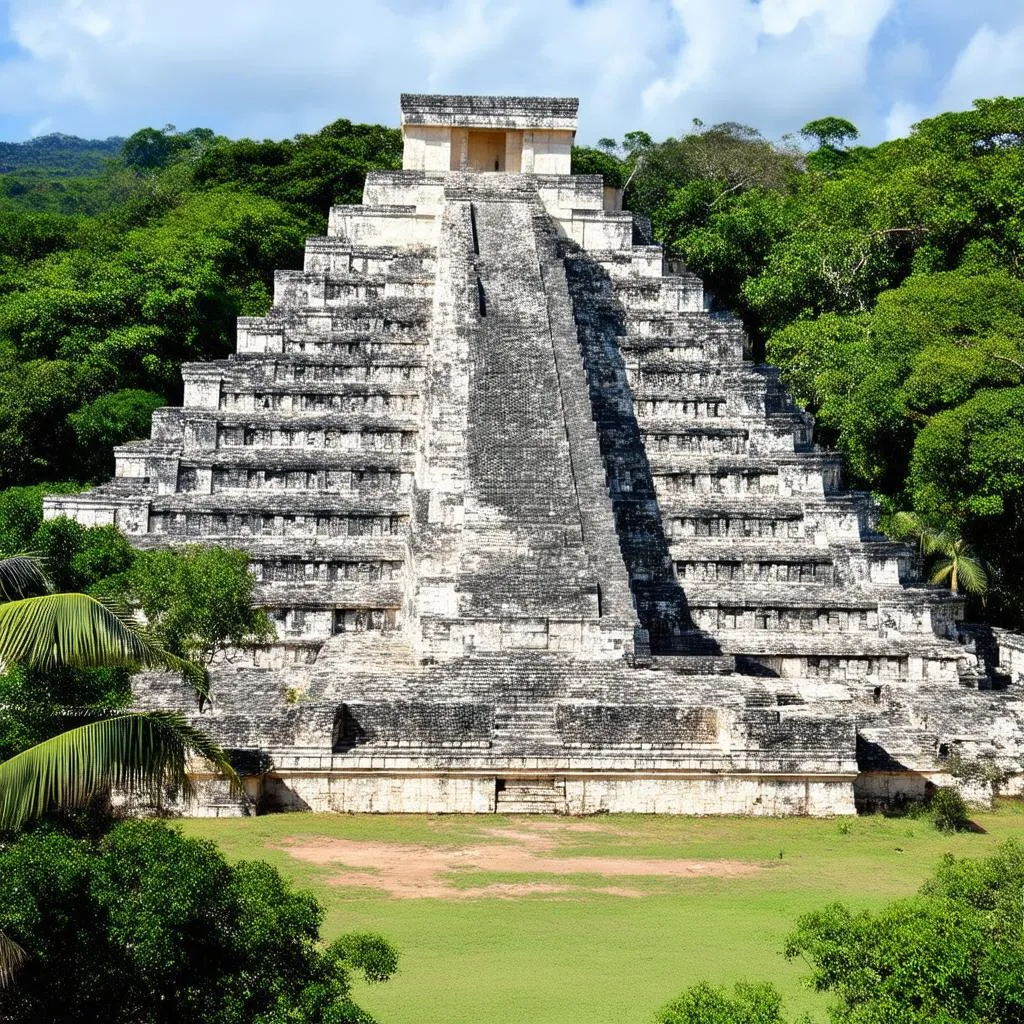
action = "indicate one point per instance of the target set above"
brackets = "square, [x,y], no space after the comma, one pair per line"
[593,958]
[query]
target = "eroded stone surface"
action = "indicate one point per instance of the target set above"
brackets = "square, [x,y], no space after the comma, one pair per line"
[536,537]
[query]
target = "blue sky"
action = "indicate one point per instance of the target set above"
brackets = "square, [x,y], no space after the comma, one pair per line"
[267,68]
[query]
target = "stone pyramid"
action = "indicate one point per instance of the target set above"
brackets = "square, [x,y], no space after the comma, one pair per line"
[535,535]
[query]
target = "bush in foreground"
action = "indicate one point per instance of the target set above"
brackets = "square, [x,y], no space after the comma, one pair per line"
[709,1004]
[148,926]
[948,811]
[952,954]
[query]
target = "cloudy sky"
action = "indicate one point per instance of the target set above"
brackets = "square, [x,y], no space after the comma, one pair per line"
[271,68]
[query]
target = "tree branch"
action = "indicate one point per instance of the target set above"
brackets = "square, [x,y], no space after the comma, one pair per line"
[632,174]
[1007,359]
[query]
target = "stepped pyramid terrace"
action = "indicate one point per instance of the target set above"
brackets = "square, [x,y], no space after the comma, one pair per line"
[535,535]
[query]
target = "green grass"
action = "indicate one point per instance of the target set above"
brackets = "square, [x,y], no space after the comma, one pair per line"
[590,958]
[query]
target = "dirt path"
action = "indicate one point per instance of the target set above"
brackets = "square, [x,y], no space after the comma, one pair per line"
[411,872]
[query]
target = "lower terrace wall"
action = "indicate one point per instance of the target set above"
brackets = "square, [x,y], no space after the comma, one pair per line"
[771,796]
[874,789]
[379,794]
[383,793]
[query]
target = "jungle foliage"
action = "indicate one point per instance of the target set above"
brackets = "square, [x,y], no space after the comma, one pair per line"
[146,925]
[58,154]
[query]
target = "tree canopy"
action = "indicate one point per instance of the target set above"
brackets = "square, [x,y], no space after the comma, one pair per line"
[145,924]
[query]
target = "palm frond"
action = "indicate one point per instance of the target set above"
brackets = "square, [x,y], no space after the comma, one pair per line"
[22,576]
[12,956]
[73,630]
[901,525]
[940,542]
[196,675]
[909,526]
[82,631]
[136,752]
[942,571]
[971,574]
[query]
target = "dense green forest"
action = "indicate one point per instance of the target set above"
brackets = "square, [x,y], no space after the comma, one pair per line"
[885,281]
[59,155]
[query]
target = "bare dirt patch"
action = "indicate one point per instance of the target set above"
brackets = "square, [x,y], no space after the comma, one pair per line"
[411,871]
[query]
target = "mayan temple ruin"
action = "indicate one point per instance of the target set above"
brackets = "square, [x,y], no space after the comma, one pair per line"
[534,534]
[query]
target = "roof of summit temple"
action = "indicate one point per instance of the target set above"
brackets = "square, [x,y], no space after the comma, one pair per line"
[551,112]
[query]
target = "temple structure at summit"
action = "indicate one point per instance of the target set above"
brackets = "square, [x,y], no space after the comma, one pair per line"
[535,535]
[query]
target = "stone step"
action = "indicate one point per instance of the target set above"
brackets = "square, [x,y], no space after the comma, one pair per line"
[285,395]
[525,796]
[334,347]
[377,314]
[505,806]
[247,457]
[410,360]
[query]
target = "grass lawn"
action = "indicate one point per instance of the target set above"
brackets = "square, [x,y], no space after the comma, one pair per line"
[575,952]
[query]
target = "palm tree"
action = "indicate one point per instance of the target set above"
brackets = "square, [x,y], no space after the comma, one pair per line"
[12,956]
[957,563]
[952,559]
[909,526]
[137,752]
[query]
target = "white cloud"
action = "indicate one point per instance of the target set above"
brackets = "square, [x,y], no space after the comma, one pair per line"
[902,114]
[263,68]
[991,64]
[779,63]
[844,20]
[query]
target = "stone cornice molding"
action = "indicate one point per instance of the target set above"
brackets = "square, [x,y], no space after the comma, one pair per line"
[546,112]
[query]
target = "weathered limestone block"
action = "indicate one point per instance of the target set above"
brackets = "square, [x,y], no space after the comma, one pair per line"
[385,225]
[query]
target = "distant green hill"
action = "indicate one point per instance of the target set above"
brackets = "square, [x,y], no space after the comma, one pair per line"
[58,154]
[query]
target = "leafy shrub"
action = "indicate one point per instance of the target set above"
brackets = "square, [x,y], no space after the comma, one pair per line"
[953,953]
[709,1004]
[146,925]
[948,810]
[111,420]
[199,599]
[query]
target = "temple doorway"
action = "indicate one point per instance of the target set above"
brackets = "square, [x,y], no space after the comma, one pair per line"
[486,151]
